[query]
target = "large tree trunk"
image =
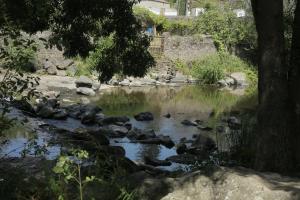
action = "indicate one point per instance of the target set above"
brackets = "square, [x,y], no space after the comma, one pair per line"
[294,76]
[274,151]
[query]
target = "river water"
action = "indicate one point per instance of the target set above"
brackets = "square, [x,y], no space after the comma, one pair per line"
[186,102]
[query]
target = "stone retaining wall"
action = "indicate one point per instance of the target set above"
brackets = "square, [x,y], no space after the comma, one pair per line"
[187,48]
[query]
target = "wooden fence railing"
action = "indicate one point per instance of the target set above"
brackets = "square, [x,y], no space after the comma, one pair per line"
[157,46]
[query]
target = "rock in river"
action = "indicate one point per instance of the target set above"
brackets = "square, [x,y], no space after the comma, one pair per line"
[188,123]
[156,162]
[113,120]
[144,116]
[85,91]
[84,82]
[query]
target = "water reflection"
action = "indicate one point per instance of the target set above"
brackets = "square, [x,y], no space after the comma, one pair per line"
[188,102]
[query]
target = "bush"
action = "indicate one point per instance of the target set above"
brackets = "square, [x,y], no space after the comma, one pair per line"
[225,28]
[18,54]
[213,68]
[207,72]
[179,27]
[109,58]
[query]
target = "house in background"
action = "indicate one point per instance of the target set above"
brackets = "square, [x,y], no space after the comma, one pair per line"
[159,7]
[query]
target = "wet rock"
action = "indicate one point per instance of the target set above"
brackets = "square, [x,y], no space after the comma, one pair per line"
[234,123]
[156,162]
[60,114]
[113,150]
[99,117]
[113,120]
[199,122]
[144,116]
[167,115]
[128,126]
[85,91]
[138,134]
[45,111]
[88,117]
[221,129]
[204,128]
[181,148]
[93,135]
[187,159]
[84,82]
[160,139]
[89,113]
[188,123]
[121,130]
[204,143]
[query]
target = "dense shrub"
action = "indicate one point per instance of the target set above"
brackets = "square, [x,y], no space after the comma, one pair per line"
[107,59]
[207,71]
[179,27]
[214,67]
[225,28]
[18,54]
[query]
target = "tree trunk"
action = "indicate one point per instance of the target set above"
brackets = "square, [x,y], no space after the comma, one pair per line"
[274,151]
[294,76]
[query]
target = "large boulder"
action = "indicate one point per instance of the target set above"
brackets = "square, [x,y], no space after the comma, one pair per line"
[85,91]
[144,116]
[125,82]
[114,120]
[84,82]
[240,79]
[63,65]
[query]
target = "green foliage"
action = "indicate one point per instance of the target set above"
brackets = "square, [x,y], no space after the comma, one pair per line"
[225,28]
[14,85]
[181,7]
[70,170]
[207,73]
[108,60]
[17,53]
[146,16]
[182,67]
[75,26]
[179,27]
[214,67]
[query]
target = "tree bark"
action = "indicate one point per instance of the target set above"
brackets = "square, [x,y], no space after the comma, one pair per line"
[274,152]
[294,76]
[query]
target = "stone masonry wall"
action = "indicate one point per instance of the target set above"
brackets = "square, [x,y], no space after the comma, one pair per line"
[187,48]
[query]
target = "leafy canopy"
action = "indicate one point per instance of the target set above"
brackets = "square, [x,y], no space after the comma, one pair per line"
[77,25]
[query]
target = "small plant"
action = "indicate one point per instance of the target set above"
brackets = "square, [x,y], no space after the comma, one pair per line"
[69,170]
